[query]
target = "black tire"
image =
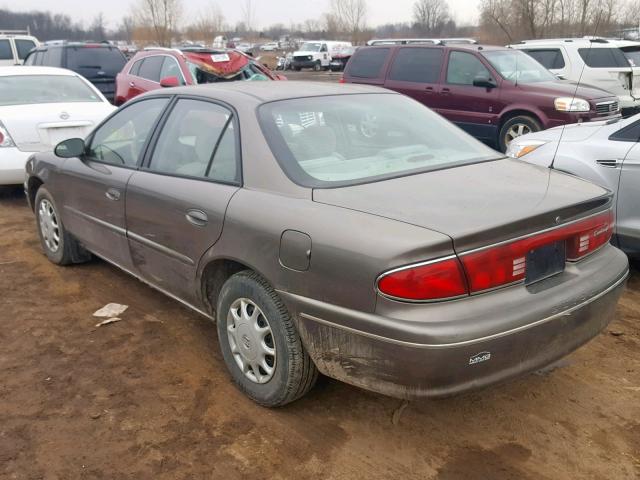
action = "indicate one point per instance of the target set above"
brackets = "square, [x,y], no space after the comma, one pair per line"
[297,69]
[68,249]
[528,124]
[317,67]
[294,373]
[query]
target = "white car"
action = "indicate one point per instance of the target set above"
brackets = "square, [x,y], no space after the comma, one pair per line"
[40,107]
[599,62]
[606,153]
[14,46]
[269,47]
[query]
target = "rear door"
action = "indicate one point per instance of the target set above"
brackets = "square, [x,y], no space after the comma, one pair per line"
[416,72]
[148,75]
[177,202]
[475,109]
[95,184]
[628,199]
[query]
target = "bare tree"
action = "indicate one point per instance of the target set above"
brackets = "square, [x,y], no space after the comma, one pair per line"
[498,13]
[350,16]
[208,23]
[248,15]
[431,16]
[161,16]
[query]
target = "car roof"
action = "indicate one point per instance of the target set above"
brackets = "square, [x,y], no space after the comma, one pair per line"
[578,42]
[263,92]
[456,46]
[29,70]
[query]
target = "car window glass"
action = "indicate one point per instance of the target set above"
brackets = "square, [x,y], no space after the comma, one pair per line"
[630,133]
[23,47]
[88,61]
[38,58]
[604,57]
[135,69]
[417,65]
[188,141]
[170,68]
[549,58]
[121,139]
[324,48]
[368,62]
[464,67]
[54,57]
[633,54]
[150,68]
[5,50]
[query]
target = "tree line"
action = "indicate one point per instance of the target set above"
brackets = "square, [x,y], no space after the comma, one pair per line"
[163,22]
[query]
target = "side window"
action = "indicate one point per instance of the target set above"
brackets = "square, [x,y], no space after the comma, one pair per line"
[170,68]
[464,67]
[150,68]
[121,139]
[630,133]
[368,62]
[54,57]
[549,58]
[198,140]
[604,57]
[5,50]
[324,47]
[23,47]
[417,65]
[135,69]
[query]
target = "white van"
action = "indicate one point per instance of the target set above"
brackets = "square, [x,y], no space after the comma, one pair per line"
[14,46]
[594,61]
[317,54]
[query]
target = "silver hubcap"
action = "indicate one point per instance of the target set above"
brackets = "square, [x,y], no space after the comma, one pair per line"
[515,131]
[49,225]
[251,340]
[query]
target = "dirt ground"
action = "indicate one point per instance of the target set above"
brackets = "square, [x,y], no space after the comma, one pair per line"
[149,397]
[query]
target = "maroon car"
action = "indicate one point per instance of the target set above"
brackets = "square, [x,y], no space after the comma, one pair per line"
[494,93]
[154,68]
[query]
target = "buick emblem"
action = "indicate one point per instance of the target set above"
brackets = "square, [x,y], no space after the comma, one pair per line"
[64,116]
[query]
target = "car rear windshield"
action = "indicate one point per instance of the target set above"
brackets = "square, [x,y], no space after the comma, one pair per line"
[202,75]
[349,139]
[519,67]
[632,54]
[32,89]
[367,62]
[90,61]
[604,57]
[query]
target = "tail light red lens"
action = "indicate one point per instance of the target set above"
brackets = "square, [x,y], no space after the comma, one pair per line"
[430,281]
[494,266]
[342,80]
[506,263]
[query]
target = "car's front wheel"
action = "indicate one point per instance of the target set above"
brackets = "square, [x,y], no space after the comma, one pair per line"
[516,127]
[259,342]
[317,66]
[58,245]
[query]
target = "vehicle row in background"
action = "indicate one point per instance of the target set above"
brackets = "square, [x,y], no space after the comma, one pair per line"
[318,55]
[40,107]
[494,93]
[15,45]
[156,67]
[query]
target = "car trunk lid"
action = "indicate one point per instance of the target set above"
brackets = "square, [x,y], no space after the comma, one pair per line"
[38,129]
[476,205]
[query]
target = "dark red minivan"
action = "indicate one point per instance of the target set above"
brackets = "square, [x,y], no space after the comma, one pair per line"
[494,93]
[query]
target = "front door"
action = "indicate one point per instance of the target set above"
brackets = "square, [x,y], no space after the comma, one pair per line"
[475,109]
[176,203]
[415,72]
[628,202]
[94,197]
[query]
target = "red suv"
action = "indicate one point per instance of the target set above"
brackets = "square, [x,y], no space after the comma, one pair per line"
[154,68]
[494,93]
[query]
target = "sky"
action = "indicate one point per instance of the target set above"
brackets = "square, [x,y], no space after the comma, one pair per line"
[267,11]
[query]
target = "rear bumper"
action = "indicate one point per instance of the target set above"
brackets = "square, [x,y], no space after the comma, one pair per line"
[12,162]
[437,350]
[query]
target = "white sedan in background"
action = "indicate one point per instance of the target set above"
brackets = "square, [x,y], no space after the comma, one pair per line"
[40,107]
[606,153]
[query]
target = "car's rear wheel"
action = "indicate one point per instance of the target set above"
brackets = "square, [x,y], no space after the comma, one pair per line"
[516,127]
[58,245]
[260,345]
[317,66]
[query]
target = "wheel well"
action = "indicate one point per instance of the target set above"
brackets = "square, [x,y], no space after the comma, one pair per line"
[213,277]
[33,185]
[516,113]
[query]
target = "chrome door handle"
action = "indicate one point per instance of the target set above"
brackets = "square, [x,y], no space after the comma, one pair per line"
[131,84]
[197,217]
[112,194]
[610,163]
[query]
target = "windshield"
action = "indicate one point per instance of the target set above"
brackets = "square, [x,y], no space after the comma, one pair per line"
[249,73]
[91,61]
[32,89]
[311,47]
[518,67]
[349,139]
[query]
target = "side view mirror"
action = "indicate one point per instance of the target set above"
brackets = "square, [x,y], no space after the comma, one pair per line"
[73,147]
[484,82]
[169,82]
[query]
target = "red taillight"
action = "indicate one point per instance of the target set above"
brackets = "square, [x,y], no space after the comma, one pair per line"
[506,263]
[1,138]
[342,80]
[494,266]
[430,281]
